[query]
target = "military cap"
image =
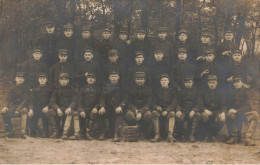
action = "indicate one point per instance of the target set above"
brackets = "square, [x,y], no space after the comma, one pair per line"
[184,50]
[209,51]
[229,31]
[37,49]
[140,75]
[138,53]
[237,78]
[212,78]
[123,30]
[205,33]
[140,30]
[112,52]
[64,75]
[49,24]
[162,29]
[113,72]
[88,50]
[165,75]
[183,31]
[68,26]
[237,51]
[42,74]
[91,74]
[63,52]
[158,51]
[189,77]
[107,29]
[19,74]
[85,28]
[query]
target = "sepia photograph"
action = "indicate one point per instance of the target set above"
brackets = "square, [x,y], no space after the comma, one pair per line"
[129,81]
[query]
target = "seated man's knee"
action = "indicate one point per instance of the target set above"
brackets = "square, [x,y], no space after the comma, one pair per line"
[231,116]
[130,116]
[155,114]
[24,111]
[204,117]
[171,114]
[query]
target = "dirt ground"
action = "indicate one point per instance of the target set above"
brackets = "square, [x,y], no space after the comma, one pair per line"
[38,150]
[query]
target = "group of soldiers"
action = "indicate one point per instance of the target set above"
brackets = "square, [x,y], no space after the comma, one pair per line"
[99,86]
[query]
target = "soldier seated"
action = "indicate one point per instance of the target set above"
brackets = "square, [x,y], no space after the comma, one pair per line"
[214,108]
[240,112]
[188,110]
[63,104]
[39,106]
[17,100]
[89,103]
[164,105]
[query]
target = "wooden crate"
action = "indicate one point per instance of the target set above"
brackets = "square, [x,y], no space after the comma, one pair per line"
[130,133]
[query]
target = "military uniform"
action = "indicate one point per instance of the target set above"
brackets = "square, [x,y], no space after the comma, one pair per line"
[84,67]
[49,46]
[89,98]
[113,96]
[140,99]
[214,101]
[166,99]
[60,67]
[40,98]
[63,97]
[68,43]
[17,100]
[188,100]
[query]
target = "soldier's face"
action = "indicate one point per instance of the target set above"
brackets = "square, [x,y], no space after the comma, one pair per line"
[123,36]
[165,82]
[50,29]
[140,81]
[113,58]
[188,84]
[19,80]
[229,36]
[212,84]
[37,55]
[237,57]
[63,58]
[140,36]
[210,57]
[158,56]
[106,35]
[182,56]
[68,33]
[85,34]
[182,37]
[139,60]
[238,84]
[113,78]
[64,81]
[88,56]
[91,80]
[205,39]
[42,81]
[162,35]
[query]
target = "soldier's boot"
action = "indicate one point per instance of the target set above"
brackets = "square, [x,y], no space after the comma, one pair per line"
[232,138]
[40,128]
[89,129]
[24,121]
[170,137]
[103,130]
[54,133]
[116,136]
[8,126]
[118,123]
[76,129]
[239,137]
[250,133]
[193,129]
[157,137]
[66,127]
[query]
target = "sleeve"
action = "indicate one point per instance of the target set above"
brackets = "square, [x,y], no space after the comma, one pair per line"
[74,99]
[80,101]
[53,101]
[148,102]
[198,106]
[173,104]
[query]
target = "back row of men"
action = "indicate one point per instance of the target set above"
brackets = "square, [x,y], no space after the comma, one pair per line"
[82,55]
